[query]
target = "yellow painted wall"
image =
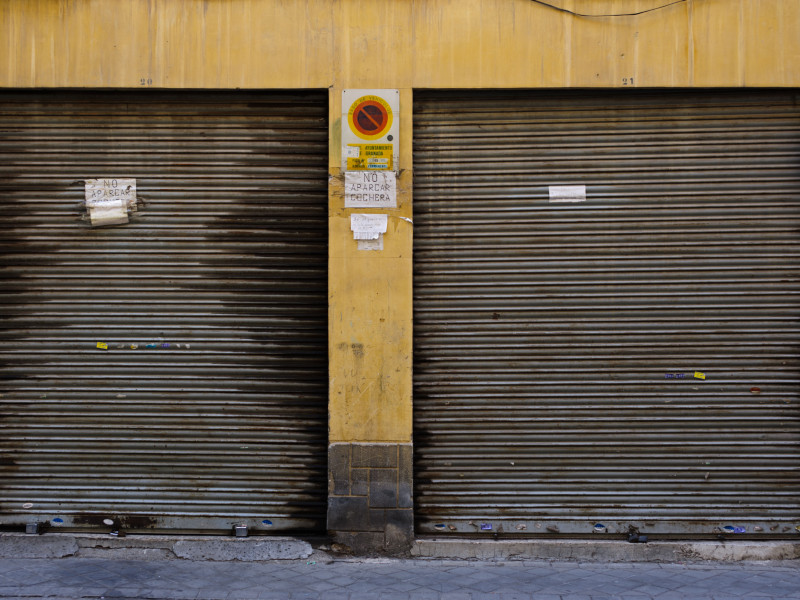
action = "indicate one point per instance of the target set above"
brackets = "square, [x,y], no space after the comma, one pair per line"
[403,44]
[396,43]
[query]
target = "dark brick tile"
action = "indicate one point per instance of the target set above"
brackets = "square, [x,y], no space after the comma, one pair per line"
[405,476]
[383,488]
[377,519]
[339,469]
[375,455]
[349,514]
[359,484]
[361,455]
[401,518]
[360,542]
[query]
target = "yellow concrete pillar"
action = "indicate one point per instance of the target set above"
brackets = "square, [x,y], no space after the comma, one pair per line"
[370,312]
[370,346]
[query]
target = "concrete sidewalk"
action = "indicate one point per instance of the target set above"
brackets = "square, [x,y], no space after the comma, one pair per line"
[322,576]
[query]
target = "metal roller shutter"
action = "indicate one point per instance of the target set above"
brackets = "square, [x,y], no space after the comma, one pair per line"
[560,347]
[208,408]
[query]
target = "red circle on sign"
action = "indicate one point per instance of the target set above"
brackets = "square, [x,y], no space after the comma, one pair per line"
[370,117]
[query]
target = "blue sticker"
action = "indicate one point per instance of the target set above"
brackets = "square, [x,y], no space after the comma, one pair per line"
[267,522]
[165,345]
[439,526]
[58,521]
[486,526]
[732,529]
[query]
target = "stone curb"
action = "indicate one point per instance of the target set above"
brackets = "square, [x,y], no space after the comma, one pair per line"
[242,549]
[215,548]
[18,545]
[605,551]
[144,547]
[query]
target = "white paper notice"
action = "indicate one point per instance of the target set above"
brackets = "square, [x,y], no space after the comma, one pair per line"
[110,191]
[352,152]
[567,193]
[371,244]
[363,189]
[368,227]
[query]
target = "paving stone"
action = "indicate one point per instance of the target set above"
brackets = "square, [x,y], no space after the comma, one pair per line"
[649,590]
[445,586]
[342,580]
[181,594]
[670,595]
[371,579]
[486,586]
[244,595]
[424,595]
[403,586]
[364,586]
[336,594]
[321,586]
[512,595]
[391,595]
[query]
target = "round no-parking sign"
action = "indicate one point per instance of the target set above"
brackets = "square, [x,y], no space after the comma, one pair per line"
[370,117]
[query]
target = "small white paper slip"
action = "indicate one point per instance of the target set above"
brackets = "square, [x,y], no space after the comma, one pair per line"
[353,152]
[368,227]
[109,213]
[371,244]
[567,193]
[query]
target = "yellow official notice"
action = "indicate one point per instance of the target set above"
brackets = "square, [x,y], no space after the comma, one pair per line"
[370,157]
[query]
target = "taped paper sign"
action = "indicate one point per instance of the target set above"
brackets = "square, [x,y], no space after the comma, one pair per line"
[109,214]
[368,227]
[370,190]
[567,193]
[109,200]
[371,244]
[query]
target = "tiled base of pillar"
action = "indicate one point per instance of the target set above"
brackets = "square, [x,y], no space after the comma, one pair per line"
[370,506]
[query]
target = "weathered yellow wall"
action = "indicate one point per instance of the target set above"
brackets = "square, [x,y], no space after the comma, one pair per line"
[396,43]
[402,44]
